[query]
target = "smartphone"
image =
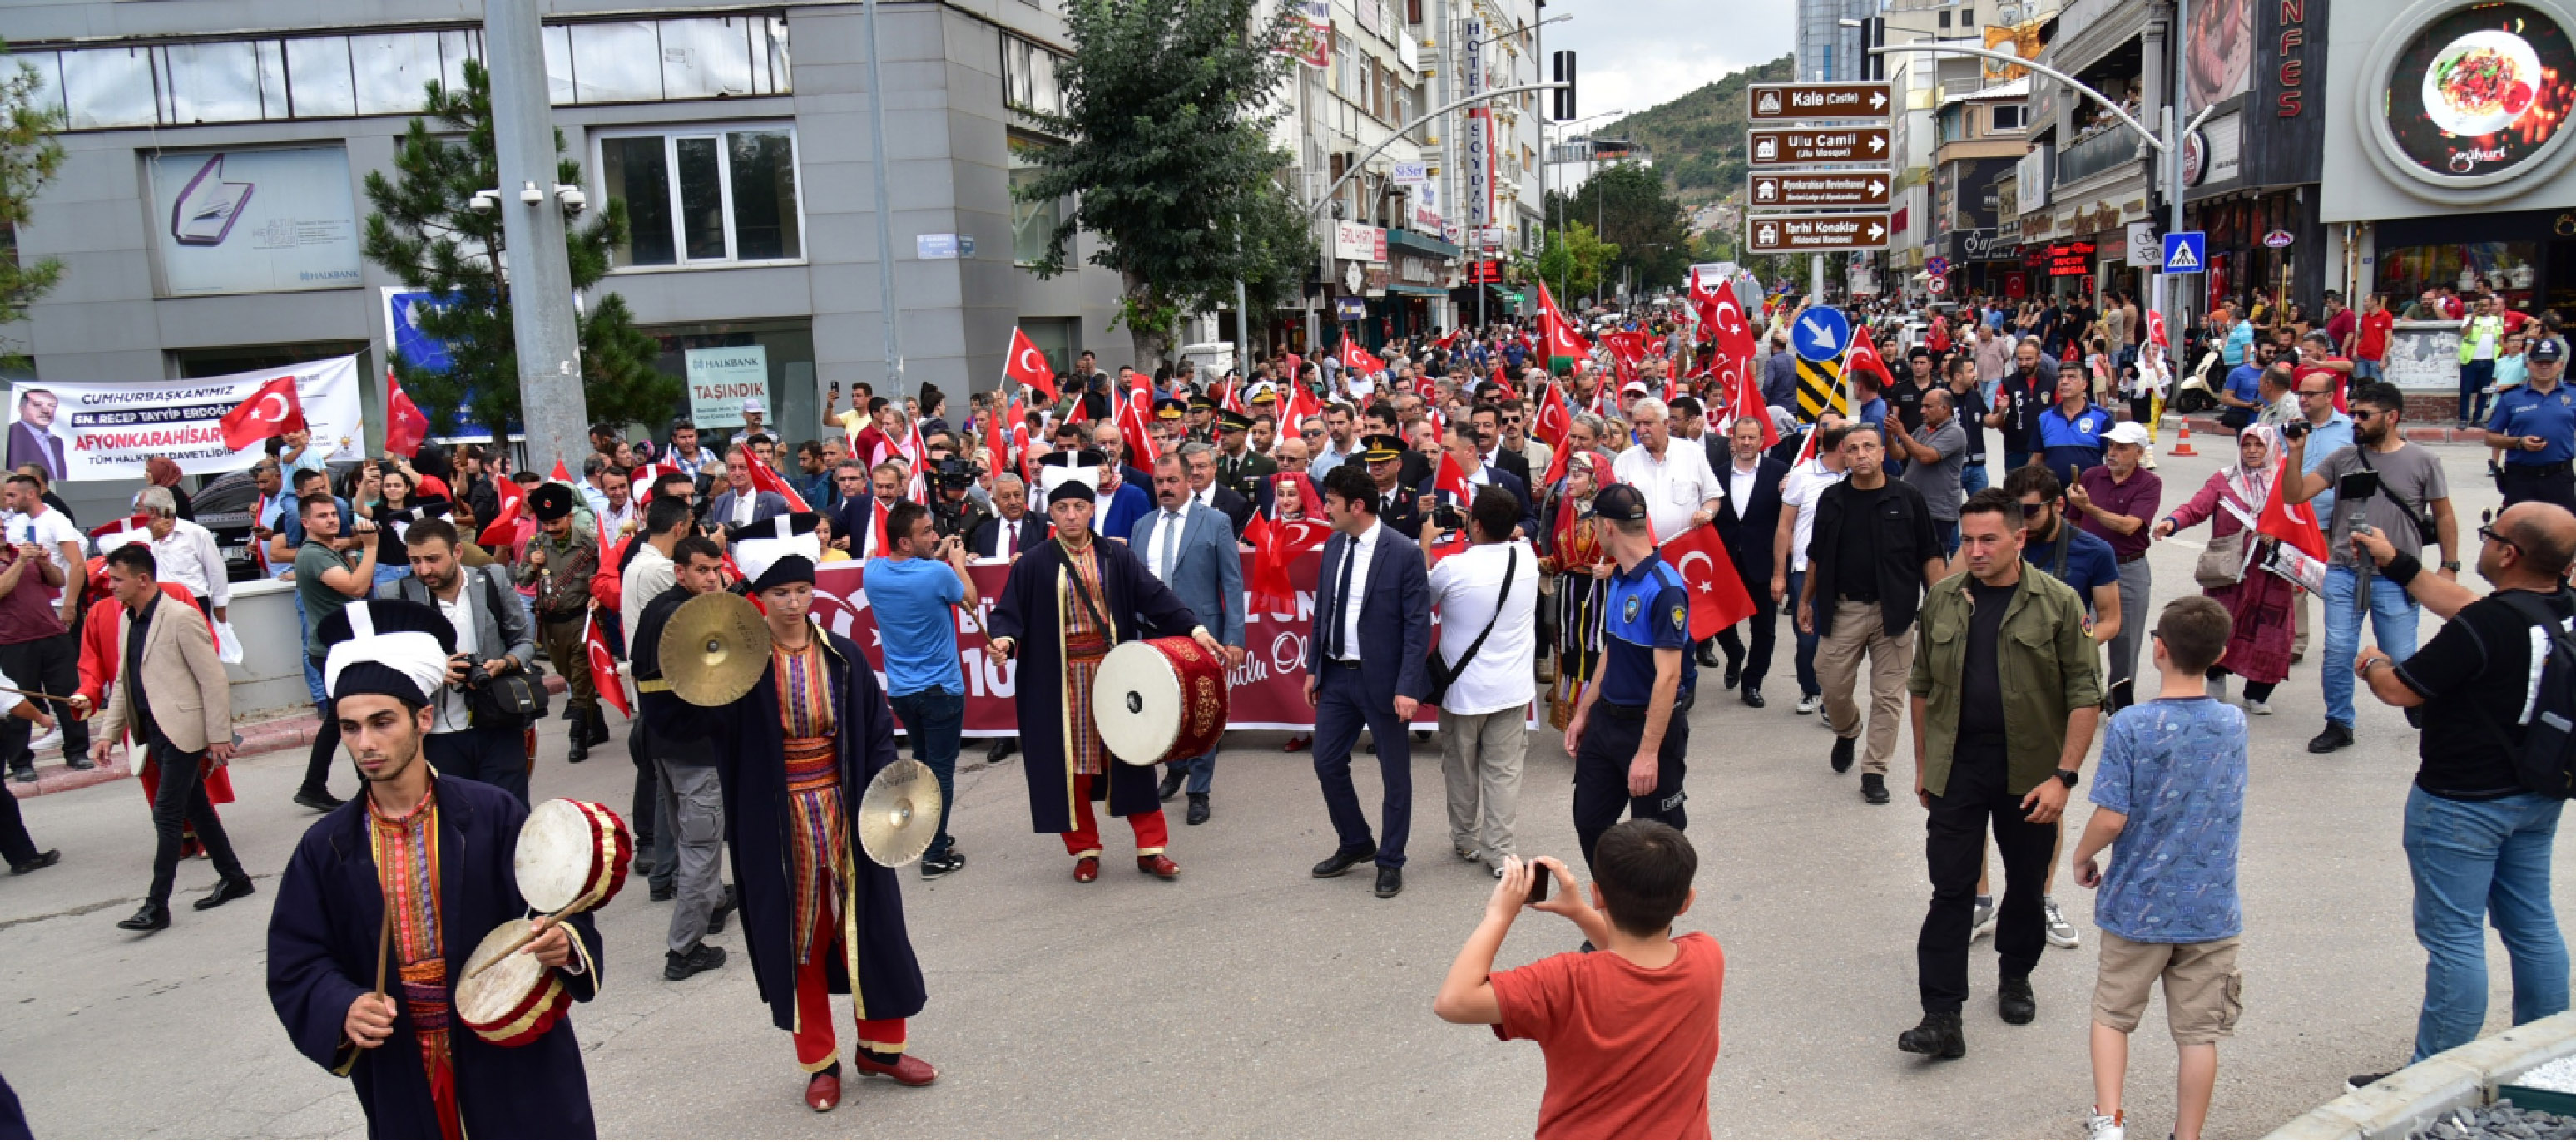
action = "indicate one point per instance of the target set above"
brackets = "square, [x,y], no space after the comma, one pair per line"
[1541,877]
[2357,485]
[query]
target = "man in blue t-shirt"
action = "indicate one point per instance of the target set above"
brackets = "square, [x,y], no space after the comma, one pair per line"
[2072,555]
[2243,394]
[2070,431]
[1629,734]
[914,591]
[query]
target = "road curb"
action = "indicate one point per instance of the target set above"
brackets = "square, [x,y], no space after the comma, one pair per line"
[2409,1100]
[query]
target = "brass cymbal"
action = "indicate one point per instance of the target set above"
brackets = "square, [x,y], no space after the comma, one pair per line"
[899,814]
[714,648]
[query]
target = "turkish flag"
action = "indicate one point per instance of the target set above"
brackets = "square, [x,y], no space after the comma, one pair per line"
[603,668]
[1275,545]
[1134,425]
[1628,348]
[642,479]
[1558,333]
[999,444]
[766,479]
[1717,597]
[1358,359]
[1864,355]
[405,427]
[272,409]
[2293,524]
[1452,478]
[497,531]
[561,474]
[1553,421]
[2156,329]
[1028,365]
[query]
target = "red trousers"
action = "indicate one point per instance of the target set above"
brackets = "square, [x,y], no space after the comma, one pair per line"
[817,1048]
[1152,831]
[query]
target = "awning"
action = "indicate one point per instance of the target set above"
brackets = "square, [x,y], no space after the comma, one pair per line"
[1416,291]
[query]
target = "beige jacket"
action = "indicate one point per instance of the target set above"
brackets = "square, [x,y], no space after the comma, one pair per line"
[192,699]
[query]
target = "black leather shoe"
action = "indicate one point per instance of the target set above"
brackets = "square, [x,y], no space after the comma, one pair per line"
[2336,736]
[2014,1001]
[1873,788]
[25,775]
[1342,861]
[1002,748]
[663,893]
[1389,882]
[79,764]
[317,801]
[1198,809]
[1843,754]
[598,727]
[704,957]
[1173,776]
[46,859]
[1938,1036]
[724,910]
[1708,655]
[1734,674]
[1753,697]
[149,918]
[580,750]
[226,891]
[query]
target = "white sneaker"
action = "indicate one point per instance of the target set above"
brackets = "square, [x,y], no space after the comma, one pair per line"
[2060,933]
[2105,1127]
[1985,918]
[1807,703]
[2259,709]
[50,739]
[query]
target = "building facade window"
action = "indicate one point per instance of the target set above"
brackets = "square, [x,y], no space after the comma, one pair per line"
[2009,117]
[704,195]
[1032,223]
[1030,76]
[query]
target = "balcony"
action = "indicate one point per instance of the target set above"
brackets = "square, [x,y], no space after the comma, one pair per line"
[2106,151]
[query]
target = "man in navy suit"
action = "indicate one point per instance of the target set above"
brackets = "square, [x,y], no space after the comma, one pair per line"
[1012,528]
[1749,522]
[1118,502]
[1190,547]
[729,506]
[1364,667]
[1466,449]
[31,436]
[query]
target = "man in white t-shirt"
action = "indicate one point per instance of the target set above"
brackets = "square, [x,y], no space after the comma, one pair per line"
[1805,484]
[1681,493]
[1483,718]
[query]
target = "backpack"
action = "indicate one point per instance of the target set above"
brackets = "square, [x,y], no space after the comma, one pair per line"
[2546,763]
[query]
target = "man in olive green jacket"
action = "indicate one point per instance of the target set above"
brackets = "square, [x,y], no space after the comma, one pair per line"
[2006,696]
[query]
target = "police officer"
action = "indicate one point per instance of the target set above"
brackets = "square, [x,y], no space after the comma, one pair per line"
[1202,419]
[2536,424]
[1629,734]
[1237,465]
[953,511]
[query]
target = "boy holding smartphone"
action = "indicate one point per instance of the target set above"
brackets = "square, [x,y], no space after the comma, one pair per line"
[1629,1031]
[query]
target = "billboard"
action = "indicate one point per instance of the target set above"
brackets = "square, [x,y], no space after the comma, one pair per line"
[259,221]
[2219,59]
[106,430]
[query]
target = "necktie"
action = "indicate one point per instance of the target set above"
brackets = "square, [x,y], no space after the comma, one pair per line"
[1342,597]
[1170,541]
[1010,544]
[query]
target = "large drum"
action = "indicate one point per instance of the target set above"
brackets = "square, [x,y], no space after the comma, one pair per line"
[1160,700]
[572,856]
[504,995]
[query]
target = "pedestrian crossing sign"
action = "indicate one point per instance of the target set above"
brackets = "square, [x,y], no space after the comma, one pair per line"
[2186,252]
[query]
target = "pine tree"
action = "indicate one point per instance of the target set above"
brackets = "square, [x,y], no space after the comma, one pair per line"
[1168,109]
[424,230]
[29,156]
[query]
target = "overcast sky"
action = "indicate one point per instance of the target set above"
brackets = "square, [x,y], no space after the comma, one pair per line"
[1634,54]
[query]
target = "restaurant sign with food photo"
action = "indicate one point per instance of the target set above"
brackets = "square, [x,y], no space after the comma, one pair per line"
[2478,92]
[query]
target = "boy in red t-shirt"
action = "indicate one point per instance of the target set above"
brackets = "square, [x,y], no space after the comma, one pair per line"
[2369,350]
[1630,1031]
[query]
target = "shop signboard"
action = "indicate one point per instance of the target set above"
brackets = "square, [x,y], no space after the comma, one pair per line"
[720,378]
[1348,308]
[1480,165]
[1805,146]
[2424,355]
[1978,245]
[1806,189]
[105,430]
[2218,53]
[254,221]
[2278,239]
[943,247]
[2479,93]
[1771,102]
[1359,242]
[1816,233]
[2067,259]
[2145,248]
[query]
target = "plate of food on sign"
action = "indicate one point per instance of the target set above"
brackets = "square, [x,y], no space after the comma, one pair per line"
[2480,83]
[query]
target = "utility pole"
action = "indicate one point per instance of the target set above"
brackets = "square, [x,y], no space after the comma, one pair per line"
[543,327]
[885,214]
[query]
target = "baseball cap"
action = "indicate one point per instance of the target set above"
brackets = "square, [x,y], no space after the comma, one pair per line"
[1619,502]
[2546,349]
[752,404]
[2126,432]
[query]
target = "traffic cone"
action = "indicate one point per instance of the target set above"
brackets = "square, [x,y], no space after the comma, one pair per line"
[2182,441]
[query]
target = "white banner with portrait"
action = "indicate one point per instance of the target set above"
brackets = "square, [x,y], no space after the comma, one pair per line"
[105,430]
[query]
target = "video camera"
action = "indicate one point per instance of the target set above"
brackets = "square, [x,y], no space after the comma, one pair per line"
[953,472]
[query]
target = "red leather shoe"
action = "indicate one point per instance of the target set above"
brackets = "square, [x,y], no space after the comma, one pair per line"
[1086,870]
[823,1091]
[1159,865]
[906,1069]
[1297,744]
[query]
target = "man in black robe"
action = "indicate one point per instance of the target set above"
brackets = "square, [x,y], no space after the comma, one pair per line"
[1081,596]
[819,918]
[419,1072]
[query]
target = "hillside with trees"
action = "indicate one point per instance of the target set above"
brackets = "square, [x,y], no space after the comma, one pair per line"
[1698,139]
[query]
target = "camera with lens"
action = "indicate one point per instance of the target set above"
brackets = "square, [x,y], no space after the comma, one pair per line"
[955,473]
[2296,429]
[1448,517]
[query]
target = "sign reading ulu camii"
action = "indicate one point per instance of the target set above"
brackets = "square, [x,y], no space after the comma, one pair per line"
[1804,146]
[1815,233]
[1821,101]
[1820,188]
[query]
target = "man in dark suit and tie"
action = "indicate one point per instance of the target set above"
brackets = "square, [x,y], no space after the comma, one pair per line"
[31,436]
[1749,523]
[1364,668]
[1200,460]
[1012,528]
[1488,420]
[867,494]
[1190,547]
[1466,451]
[1382,460]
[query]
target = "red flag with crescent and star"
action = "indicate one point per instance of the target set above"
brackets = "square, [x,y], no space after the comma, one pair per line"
[766,479]
[1717,596]
[603,667]
[2293,524]
[1864,355]
[1358,359]
[514,500]
[271,410]
[406,428]
[1135,420]
[1027,364]
[1558,333]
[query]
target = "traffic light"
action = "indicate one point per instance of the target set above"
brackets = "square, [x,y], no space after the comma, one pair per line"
[1563,63]
[1873,35]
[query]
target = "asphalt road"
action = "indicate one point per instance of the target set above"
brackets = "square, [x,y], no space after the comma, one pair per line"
[1250,1000]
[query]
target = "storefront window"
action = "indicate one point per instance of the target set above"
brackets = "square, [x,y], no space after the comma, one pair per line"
[786,349]
[2510,268]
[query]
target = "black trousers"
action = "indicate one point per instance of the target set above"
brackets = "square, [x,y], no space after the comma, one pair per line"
[179,805]
[51,664]
[326,744]
[2546,483]
[1954,848]
[16,846]
[1342,706]
[1763,628]
[1601,774]
[643,813]
[495,756]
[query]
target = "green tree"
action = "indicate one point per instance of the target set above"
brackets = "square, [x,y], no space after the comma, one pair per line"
[1168,110]
[1632,210]
[29,156]
[1574,264]
[424,231]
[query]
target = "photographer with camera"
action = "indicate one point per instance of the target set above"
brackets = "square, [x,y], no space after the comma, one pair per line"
[471,735]
[954,512]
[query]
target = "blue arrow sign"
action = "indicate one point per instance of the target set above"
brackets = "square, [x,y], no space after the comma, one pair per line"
[1821,334]
[2186,252]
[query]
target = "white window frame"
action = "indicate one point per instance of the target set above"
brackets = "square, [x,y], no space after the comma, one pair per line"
[671,134]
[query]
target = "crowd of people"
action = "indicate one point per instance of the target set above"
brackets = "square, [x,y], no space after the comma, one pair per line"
[2001,610]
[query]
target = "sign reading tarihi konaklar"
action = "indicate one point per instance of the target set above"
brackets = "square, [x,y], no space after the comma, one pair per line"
[1815,233]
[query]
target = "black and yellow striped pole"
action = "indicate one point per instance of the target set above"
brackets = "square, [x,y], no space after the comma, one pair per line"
[1821,390]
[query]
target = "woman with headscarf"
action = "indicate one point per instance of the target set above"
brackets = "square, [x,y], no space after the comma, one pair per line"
[2258,649]
[1292,526]
[162,471]
[1573,554]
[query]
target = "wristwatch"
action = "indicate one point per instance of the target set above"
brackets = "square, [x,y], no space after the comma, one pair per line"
[2451,565]
[2070,777]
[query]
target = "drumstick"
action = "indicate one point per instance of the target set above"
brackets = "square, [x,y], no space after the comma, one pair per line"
[523,940]
[384,939]
[36,694]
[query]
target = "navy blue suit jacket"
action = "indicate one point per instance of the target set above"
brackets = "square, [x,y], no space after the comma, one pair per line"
[1395,616]
[1126,506]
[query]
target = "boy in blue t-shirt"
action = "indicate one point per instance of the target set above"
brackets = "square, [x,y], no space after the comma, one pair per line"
[2170,790]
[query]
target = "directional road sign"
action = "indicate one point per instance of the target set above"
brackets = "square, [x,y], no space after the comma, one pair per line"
[1776,101]
[2186,252]
[1822,333]
[1773,191]
[1815,233]
[1806,146]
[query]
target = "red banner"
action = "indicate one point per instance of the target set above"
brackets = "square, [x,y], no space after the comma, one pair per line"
[1268,690]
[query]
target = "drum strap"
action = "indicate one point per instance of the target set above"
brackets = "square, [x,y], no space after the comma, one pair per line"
[1084,593]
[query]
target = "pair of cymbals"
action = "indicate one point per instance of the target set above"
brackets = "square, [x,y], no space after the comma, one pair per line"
[714,648]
